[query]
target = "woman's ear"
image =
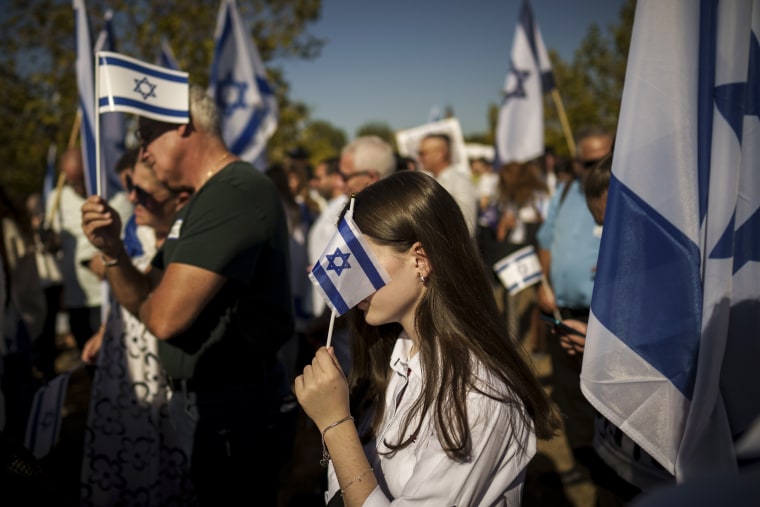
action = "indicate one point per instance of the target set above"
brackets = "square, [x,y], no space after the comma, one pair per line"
[421,261]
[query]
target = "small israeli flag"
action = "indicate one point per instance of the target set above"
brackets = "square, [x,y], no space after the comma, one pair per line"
[130,85]
[46,415]
[347,271]
[519,270]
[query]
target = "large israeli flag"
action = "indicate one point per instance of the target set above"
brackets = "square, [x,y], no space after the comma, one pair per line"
[113,127]
[674,337]
[520,127]
[240,86]
[86,89]
[133,86]
[347,271]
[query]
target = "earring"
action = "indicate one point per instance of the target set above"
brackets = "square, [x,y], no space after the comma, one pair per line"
[422,279]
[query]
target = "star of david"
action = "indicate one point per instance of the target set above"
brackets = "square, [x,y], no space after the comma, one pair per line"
[734,101]
[145,88]
[338,261]
[48,419]
[231,94]
[519,89]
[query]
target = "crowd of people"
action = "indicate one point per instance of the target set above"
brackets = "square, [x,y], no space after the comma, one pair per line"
[188,297]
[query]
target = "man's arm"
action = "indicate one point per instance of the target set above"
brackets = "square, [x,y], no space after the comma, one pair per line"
[130,286]
[545,293]
[179,299]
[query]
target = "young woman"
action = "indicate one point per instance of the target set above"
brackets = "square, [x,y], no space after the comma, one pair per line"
[448,410]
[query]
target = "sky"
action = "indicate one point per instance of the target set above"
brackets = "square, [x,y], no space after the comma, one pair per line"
[392,61]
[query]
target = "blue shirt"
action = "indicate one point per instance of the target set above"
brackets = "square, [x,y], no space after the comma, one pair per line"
[571,235]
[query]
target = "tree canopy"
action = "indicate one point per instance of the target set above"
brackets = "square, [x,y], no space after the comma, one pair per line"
[38,53]
[38,87]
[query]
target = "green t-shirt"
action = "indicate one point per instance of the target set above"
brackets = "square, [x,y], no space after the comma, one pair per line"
[234,226]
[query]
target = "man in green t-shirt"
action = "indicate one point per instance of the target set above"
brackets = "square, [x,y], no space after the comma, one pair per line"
[218,300]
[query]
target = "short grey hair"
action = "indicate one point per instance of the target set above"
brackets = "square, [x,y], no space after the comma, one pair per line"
[204,111]
[371,153]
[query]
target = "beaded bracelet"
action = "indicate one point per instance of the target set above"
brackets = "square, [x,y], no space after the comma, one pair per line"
[355,479]
[326,455]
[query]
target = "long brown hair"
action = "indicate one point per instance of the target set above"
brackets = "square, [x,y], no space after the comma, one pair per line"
[519,183]
[457,320]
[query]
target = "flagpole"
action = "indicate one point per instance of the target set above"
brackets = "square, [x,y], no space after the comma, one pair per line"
[61,176]
[330,329]
[98,178]
[563,121]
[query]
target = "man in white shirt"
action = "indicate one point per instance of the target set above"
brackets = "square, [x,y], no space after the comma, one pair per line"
[435,158]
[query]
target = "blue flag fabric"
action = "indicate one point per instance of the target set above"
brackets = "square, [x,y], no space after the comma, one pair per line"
[520,126]
[240,86]
[166,56]
[674,335]
[133,86]
[86,89]
[347,271]
[49,181]
[113,127]
[435,114]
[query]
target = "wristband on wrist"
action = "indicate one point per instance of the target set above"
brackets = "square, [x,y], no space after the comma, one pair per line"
[325,454]
[108,263]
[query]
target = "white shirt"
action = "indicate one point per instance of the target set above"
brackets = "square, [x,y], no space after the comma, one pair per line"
[464,193]
[422,473]
[320,234]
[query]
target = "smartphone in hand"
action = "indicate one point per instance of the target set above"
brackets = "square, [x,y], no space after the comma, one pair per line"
[559,326]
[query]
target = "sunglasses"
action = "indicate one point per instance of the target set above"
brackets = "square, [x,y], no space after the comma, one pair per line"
[588,164]
[143,197]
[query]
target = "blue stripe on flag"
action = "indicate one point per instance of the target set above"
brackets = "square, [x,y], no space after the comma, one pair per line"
[124,101]
[665,329]
[528,22]
[118,62]
[706,76]
[333,294]
[246,136]
[88,148]
[746,246]
[361,256]
[34,421]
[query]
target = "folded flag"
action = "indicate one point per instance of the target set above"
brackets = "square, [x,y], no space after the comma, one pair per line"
[130,85]
[519,269]
[44,424]
[347,271]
